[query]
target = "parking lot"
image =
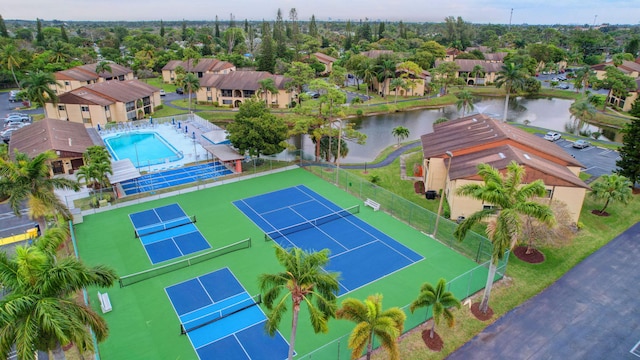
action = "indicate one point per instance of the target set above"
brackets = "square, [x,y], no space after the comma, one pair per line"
[597,161]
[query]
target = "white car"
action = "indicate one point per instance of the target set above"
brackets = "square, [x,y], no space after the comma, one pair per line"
[552,136]
[162,92]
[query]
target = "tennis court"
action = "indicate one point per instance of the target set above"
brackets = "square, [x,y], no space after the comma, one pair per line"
[167,233]
[299,217]
[222,320]
[174,177]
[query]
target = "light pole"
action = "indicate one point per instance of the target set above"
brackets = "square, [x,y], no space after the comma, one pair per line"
[446,175]
[338,155]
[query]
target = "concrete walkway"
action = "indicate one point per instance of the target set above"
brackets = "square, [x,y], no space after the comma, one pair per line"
[591,312]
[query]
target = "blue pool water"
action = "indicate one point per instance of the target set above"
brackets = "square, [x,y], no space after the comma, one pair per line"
[142,148]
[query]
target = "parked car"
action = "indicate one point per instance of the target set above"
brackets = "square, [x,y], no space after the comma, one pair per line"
[563,86]
[17,119]
[581,144]
[312,94]
[13,96]
[162,92]
[552,136]
[179,91]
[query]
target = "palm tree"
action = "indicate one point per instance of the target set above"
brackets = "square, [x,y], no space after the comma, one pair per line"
[59,52]
[582,111]
[440,299]
[386,69]
[509,199]
[465,101]
[584,76]
[267,86]
[11,60]
[304,280]
[37,89]
[102,67]
[612,187]
[512,78]
[29,179]
[400,132]
[41,311]
[190,83]
[477,70]
[368,75]
[396,84]
[372,321]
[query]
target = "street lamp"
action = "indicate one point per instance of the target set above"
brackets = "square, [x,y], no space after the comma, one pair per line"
[446,175]
[338,156]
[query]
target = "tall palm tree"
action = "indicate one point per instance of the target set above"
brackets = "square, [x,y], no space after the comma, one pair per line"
[477,71]
[400,132]
[512,77]
[191,84]
[29,179]
[37,89]
[371,320]
[267,86]
[41,311]
[396,84]
[368,75]
[384,70]
[584,76]
[440,299]
[510,199]
[11,60]
[60,52]
[465,101]
[304,281]
[102,67]
[612,187]
[582,111]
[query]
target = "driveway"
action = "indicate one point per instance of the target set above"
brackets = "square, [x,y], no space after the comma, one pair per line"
[591,312]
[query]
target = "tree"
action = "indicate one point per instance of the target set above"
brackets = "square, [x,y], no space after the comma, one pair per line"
[396,84]
[96,167]
[368,75]
[582,111]
[102,67]
[612,187]
[304,282]
[267,58]
[445,73]
[371,320]
[37,89]
[29,179]
[477,71]
[512,78]
[267,86]
[440,299]
[191,84]
[584,76]
[40,312]
[386,68]
[509,199]
[465,101]
[629,162]
[39,34]
[400,132]
[11,60]
[256,131]
[63,34]
[329,149]
[299,75]
[618,84]
[3,28]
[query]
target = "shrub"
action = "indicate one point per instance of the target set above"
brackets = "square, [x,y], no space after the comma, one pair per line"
[359,112]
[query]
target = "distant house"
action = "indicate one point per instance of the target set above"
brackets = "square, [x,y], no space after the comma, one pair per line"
[465,69]
[199,67]
[109,101]
[480,139]
[79,76]
[326,60]
[374,54]
[67,139]
[234,88]
[417,88]
[629,68]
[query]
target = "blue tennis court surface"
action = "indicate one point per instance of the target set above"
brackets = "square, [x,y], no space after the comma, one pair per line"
[167,232]
[237,331]
[300,217]
[180,176]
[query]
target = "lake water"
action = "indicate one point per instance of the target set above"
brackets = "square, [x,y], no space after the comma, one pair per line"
[552,114]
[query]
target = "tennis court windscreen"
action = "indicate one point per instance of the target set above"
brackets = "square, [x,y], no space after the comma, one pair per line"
[276,234]
[173,223]
[220,314]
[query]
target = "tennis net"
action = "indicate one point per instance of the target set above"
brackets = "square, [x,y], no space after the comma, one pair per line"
[220,314]
[308,224]
[173,223]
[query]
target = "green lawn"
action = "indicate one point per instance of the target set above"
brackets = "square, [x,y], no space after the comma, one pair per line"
[143,323]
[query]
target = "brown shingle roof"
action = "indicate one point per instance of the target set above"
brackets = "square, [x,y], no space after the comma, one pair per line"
[495,56]
[241,80]
[465,166]
[108,92]
[88,72]
[50,134]
[202,65]
[374,54]
[467,65]
[324,58]
[478,132]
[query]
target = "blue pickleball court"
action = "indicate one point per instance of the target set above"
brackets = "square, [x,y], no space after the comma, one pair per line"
[222,320]
[299,217]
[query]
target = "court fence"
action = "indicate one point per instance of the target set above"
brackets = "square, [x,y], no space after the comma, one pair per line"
[131,279]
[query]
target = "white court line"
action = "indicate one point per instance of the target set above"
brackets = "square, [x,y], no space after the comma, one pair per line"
[635,350]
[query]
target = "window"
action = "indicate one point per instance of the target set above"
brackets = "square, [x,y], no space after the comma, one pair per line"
[208,88]
[248,93]
[66,83]
[106,108]
[226,102]
[84,108]
[487,207]
[130,106]
[209,98]
[61,108]
[121,77]
[549,193]
[86,120]
[227,93]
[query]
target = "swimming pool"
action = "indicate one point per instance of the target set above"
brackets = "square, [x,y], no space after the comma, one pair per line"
[142,148]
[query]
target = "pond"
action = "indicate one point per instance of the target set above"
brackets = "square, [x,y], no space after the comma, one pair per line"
[552,114]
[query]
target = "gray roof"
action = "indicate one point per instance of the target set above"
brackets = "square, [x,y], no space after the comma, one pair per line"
[88,72]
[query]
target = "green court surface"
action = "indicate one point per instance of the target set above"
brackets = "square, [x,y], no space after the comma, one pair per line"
[143,324]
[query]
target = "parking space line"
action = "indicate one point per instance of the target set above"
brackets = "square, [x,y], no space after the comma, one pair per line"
[605,152]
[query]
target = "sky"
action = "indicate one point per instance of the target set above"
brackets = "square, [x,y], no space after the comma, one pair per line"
[548,12]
